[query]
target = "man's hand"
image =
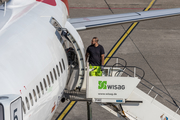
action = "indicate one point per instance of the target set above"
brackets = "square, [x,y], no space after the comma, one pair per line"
[102,68]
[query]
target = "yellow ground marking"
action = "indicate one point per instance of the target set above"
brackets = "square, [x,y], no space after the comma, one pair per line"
[66,110]
[125,35]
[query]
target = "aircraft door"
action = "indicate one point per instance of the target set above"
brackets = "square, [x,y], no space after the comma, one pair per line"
[75,49]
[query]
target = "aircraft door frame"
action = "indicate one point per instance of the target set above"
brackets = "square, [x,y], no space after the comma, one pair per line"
[1,112]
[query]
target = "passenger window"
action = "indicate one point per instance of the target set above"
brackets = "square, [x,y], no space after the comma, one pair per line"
[63,64]
[24,109]
[38,91]
[42,88]
[55,73]
[58,70]
[49,83]
[31,100]
[45,85]
[35,97]
[52,79]
[27,103]
[61,67]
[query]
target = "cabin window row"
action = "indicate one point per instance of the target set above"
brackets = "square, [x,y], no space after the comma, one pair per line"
[43,86]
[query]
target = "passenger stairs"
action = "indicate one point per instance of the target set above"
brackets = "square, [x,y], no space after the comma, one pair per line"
[117,92]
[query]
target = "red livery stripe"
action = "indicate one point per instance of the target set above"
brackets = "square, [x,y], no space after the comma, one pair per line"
[49,2]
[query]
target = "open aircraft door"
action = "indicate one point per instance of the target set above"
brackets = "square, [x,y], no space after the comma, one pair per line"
[77,75]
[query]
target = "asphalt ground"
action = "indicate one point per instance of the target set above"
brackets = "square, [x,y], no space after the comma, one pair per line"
[157,40]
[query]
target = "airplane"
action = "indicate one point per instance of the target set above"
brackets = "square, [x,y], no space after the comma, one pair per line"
[34,61]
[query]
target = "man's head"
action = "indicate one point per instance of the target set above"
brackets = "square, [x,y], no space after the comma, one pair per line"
[94,41]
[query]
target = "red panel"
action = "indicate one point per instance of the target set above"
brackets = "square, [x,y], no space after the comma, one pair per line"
[49,2]
[66,3]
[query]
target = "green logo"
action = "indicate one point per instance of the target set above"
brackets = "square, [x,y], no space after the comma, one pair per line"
[102,84]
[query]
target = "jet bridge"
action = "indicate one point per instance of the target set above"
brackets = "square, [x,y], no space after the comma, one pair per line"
[117,92]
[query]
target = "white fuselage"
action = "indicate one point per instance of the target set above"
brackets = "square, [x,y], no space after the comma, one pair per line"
[30,53]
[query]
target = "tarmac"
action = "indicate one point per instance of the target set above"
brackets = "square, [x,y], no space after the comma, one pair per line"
[157,40]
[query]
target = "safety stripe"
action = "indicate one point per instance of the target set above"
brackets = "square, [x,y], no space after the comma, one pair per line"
[66,110]
[150,5]
[124,36]
[118,44]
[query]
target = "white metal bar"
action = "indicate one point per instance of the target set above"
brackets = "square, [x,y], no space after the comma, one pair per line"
[134,71]
[154,98]
[150,90]
[177,109]
[117,61]
[87,80]
[5,8]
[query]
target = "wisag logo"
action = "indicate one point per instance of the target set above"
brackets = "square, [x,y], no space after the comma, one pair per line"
[102,84]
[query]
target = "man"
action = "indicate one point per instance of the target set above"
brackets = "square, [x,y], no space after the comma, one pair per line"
[96,57]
